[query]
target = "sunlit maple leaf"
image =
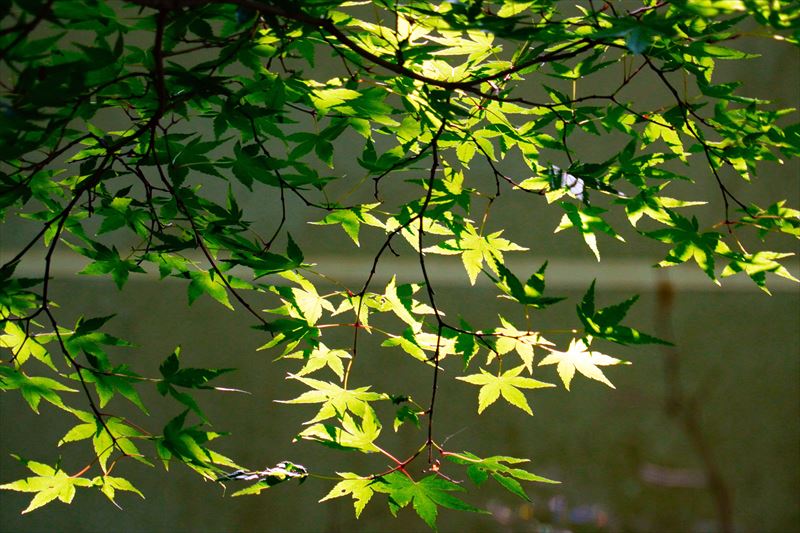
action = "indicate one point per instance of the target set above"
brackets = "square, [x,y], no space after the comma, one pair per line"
[352,434]
[579,357]
[510,338]
[358,487]
[690,243]
[48,485]
[351,219]
[335,400]
[757,265]
[302,302]
[24,345]
[425,495]
[507,385]
[475,249]
[320,357]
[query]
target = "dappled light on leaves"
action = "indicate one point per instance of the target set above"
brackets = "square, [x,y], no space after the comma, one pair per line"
[182,140]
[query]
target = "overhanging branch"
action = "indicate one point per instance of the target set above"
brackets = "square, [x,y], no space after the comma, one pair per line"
[327,25]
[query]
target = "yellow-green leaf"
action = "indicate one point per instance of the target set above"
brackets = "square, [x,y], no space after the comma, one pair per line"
[507,384]
[579,357]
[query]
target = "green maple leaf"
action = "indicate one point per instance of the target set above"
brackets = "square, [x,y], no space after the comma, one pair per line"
[510,338]
[33,389]
[649,202]
[777,217]
[109,485]
[108,261]
[190,378]
[498,467]
[24,346]
[425,495]
[410,232]
[209,283]
[406,414]
[506,384]
[15,298]
[408,344]
[288,331]
[264,263]
[579,357]
[320,357]
[188,445]
[466,343]
[102,442]
[356,486]
[352,435]
[604,323]
[475,249]
[399,301]
[48,485]
[690,243]
[757,265]
[351,219]
[108,381]
[104,445]
[302,302]
[432,342]
[657,127]
[80,432]
[361,307]
[416,344]
[529,294]
[335,400]
[587,221]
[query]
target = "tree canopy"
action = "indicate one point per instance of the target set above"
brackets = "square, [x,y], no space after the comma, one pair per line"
[120,121]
